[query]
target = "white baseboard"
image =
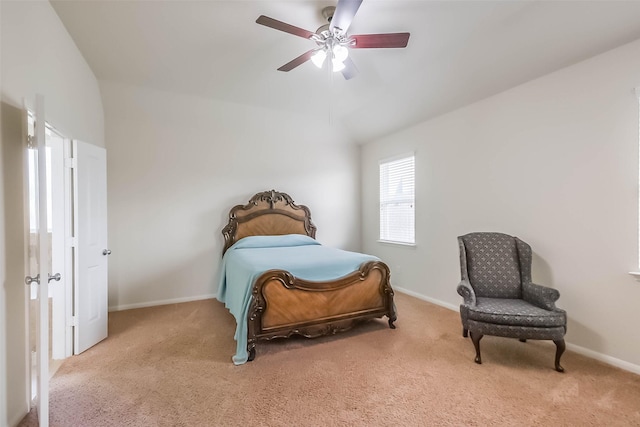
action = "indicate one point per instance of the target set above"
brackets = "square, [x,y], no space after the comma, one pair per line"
[17,418]
[161,302]
[609,360]
[427,299]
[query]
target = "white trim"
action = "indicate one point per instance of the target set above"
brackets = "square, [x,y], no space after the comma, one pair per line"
[71,243]
[609,360]
[27,272]
[427,299]
[404,155]
[161,302]
[17,418]
[637,91]
[392,242]
[618,363]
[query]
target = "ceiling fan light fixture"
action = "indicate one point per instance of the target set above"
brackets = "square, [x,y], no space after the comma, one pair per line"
[318,58]
[332,39]
[337,65]
[340,53]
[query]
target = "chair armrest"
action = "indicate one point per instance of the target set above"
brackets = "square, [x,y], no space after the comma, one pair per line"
[466,291]
[541,296]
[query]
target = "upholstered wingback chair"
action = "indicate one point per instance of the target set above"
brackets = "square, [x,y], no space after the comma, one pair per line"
[499,297]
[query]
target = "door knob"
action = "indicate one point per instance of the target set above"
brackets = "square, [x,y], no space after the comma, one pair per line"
[55,277]
[106,252]
[29,280]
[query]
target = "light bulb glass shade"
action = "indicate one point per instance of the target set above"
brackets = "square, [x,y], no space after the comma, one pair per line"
[318,58]
[337,65]
[340,52]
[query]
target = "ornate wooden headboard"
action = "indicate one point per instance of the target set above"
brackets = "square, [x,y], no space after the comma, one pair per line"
[269,213]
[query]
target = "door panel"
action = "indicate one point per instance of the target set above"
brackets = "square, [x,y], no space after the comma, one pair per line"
[38,261]
[92,266]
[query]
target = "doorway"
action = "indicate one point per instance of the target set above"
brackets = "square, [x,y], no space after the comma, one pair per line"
[65,251]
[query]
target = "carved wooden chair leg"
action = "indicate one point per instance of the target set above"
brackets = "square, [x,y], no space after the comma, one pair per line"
[523,340]
[465,332]
[560,347]
[476,343]
[252,354]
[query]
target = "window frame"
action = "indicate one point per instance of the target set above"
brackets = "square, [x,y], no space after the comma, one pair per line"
[636,274]
[411,199]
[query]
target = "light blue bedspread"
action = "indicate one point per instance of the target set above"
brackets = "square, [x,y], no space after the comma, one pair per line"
[300,255]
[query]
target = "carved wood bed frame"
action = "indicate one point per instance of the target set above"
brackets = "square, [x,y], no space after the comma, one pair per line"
[283,305]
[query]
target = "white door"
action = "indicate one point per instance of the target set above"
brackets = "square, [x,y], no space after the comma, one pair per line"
[90,180]
[38,261]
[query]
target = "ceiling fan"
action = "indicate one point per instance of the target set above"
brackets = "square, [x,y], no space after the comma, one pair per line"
[332,39]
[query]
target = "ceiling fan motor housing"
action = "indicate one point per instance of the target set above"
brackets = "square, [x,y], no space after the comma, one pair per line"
[328,12]
[328,37]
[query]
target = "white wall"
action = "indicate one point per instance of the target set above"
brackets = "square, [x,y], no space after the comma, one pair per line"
[38,56]
[178,163]
[554,162]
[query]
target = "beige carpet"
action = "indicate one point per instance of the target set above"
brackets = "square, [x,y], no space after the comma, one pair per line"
[171,366]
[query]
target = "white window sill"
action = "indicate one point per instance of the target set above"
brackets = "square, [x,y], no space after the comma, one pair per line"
[635,274]
[391,242]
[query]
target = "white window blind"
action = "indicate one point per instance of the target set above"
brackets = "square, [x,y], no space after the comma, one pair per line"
[397,200]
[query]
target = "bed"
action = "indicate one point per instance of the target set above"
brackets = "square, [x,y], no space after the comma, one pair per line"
[278,281]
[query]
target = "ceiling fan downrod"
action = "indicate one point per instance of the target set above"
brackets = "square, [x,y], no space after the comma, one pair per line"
[328,12]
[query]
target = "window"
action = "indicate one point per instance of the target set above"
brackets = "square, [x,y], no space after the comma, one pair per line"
[397,200]
[33,165]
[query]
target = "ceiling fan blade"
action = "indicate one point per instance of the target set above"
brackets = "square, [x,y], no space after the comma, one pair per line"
[283,26]
[389,40]
[298,61]
[350,70]
[344,13]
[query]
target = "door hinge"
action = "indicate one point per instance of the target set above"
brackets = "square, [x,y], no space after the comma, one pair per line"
[74,321]
[72,242]
[70,163]
[31,141]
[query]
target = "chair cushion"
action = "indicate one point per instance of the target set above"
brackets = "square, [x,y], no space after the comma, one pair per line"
[514,312]
[509,331]
[492,265]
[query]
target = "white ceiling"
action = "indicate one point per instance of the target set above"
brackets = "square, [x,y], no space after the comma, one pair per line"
[459,51]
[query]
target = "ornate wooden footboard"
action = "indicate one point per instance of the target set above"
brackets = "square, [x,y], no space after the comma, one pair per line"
[284,305]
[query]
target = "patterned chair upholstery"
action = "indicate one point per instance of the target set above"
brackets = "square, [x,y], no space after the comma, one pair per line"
[499,297]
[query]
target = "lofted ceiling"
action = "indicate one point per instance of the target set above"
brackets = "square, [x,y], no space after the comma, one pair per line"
[459,51]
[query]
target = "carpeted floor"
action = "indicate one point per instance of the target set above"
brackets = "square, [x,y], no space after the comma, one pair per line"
[171,366]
